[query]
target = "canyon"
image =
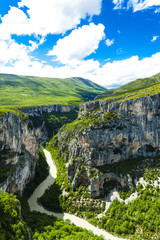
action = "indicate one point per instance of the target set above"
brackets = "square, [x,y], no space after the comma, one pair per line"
[105,133]
[19,142]
[108,133]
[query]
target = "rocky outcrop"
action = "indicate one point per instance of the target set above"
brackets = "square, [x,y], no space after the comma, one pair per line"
[39,110]
[111,132]
[18,152]
[135,131]
[46,127]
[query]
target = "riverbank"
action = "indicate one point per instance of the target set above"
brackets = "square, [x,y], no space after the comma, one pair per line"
[39,191]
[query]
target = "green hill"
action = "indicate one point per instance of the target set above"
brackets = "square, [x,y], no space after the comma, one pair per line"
[139,84]
[33,91]
[137,88]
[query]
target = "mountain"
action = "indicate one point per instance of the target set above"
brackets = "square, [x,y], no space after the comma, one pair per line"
[112,152]
[35,91]
[139,85]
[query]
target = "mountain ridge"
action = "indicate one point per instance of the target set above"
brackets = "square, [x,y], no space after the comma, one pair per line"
[20,90]
[134,89]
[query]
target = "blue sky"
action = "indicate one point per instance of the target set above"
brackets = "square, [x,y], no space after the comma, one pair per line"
[110,42]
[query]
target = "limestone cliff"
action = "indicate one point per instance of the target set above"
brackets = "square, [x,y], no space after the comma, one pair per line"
[18,152]
[47,120]
[39,110]
[133,131]
[108,132]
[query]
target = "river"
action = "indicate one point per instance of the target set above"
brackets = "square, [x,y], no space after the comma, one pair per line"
[39,191]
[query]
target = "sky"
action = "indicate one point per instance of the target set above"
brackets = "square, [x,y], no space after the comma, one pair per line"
[110,42]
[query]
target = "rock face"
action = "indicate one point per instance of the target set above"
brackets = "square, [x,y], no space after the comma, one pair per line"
[38,111]
[40,117]
[111,132]
[134,132]
[18,153]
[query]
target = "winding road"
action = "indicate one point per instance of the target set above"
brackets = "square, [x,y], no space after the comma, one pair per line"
[39,191]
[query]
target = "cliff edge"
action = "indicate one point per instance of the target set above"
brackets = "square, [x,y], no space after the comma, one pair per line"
[18,152]
[108,133]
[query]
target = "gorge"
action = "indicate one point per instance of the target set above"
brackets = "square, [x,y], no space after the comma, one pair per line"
[106,134]
[110,145]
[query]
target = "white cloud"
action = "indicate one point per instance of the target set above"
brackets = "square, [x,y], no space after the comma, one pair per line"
[137,5]
[109,42]
[122,72]
[35,45]
[84,69]
[110,74]
[12,52]
[157,10]
[47,16]
[154,38]
[118,3]
[79,44]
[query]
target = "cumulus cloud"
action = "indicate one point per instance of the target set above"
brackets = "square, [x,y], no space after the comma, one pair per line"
[109,42]
[47,16]
[110,74]
[12,52]
[79,44]
[84,69]
[136,4]
[115,73]
[122,72]
[154,38]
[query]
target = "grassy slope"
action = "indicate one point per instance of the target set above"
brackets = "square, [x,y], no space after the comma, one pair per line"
[135,89]
[139,84]
[30,91]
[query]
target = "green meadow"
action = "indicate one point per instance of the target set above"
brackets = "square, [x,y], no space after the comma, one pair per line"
[134,89]
[35,91]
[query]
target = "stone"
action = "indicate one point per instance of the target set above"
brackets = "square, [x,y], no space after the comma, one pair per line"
[18,138]
[134,132]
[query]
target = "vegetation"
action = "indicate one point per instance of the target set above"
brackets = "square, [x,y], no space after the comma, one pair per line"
[11,225]
[6,109]
[139,217]
[133,86]
[41,172]
[34,91]
[53,120]
[44,227]
[126,194]
[66,231]
[6,169]
[90,120]
[135,89]
[135,167]
[60,197]
[139,84]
